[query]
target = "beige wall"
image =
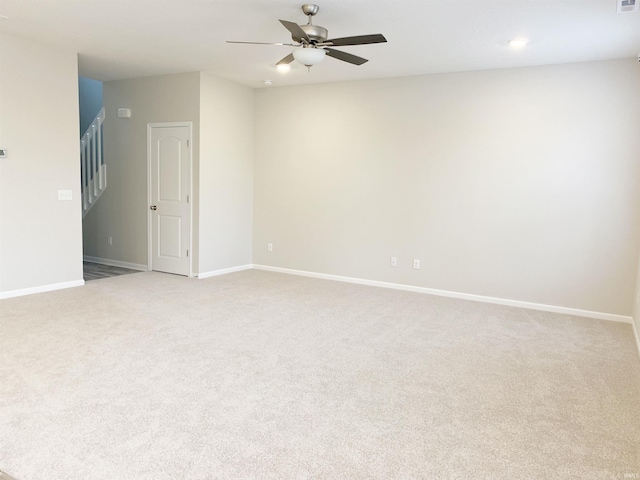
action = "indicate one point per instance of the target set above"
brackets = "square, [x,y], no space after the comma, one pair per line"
[226,174]
[40,236]
[121,212]
[519,184]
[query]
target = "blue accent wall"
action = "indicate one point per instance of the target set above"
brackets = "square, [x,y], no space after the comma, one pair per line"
[90,92]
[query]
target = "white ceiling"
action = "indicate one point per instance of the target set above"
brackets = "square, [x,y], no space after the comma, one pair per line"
[132,38]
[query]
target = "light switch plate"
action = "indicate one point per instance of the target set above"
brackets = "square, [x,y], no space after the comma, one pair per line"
[3,153]
[65,195]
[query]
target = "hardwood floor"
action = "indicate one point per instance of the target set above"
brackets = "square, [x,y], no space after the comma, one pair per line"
[96,271]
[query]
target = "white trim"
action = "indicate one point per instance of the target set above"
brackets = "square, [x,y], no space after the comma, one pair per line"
[636,334]
[224,271]
[115,263]
[190,148]
[41,289]
[464,296]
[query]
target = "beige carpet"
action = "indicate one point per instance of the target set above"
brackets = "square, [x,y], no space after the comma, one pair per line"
[258,375]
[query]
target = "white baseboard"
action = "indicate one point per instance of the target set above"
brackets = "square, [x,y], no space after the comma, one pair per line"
[636,334]
[224,271]
[115,263]
[360,281]
[463,296]
[41,289]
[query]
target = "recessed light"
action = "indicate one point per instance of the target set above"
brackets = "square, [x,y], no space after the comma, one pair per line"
[518,42]
[285,67]
[267,83]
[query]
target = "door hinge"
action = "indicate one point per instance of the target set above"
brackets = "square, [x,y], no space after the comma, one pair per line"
[187,143]
[187,253]
[187,198]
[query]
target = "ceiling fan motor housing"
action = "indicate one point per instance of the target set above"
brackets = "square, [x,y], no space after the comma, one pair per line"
[315,33]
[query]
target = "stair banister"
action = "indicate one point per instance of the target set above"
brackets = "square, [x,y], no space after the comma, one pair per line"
[94,175]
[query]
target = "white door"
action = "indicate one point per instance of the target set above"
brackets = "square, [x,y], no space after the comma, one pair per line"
[170,196]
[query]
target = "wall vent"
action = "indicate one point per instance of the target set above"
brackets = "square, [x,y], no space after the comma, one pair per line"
[628,6]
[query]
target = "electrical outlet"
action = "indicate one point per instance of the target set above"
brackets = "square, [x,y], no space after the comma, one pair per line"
[416,264]
[110,240]
[394,262]
[269,247]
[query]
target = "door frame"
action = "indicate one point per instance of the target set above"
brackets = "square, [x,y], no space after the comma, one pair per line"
[150,127]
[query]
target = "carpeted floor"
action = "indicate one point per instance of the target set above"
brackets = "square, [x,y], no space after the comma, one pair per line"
[259,375]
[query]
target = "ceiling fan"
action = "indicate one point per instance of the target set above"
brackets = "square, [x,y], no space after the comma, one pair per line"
[312,42]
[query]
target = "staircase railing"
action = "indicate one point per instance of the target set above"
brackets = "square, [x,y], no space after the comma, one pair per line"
[92,166]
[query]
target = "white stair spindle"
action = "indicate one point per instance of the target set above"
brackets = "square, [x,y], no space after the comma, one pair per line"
[92,193]
[83,166]
[100,159]
[88,163]
[94,159]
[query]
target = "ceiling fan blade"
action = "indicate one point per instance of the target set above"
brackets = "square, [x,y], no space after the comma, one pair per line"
[286,60]
[296,31]
[265,43]
[345,57]
[358,40]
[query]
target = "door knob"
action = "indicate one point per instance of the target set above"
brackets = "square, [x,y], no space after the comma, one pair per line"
[153,207]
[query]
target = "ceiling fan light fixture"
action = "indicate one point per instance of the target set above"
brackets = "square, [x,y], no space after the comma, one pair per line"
[309,56]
